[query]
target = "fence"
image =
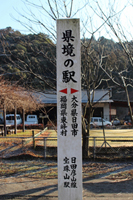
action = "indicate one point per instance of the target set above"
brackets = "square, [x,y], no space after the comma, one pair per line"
[46,147]
[111,147]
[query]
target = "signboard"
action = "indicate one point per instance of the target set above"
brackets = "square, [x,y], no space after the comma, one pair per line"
[69,110]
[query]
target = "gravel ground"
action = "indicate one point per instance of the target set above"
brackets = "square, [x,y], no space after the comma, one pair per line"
[37,178]
[22,180]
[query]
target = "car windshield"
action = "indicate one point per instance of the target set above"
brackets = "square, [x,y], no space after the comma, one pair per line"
[12,117]
[100,120]
[9,117]
[31,116]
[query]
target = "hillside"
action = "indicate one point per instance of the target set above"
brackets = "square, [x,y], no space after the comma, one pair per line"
[25,58]
[30,61]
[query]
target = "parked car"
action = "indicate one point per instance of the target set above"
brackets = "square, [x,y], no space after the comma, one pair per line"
[10,119]
[31,119]
[98,121]
[116,122]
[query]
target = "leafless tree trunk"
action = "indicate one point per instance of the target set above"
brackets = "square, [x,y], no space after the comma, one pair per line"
[15,120]
[116,27]
[4,112]
[23,120]
[128,100]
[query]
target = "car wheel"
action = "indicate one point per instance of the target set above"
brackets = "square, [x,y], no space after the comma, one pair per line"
[108,125]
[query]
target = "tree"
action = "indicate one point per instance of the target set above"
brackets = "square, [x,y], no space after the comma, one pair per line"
[122,78]
[24,58]
[13,98]
[91,60]
[95,59]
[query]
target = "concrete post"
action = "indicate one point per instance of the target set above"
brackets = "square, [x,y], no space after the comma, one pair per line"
[69,110]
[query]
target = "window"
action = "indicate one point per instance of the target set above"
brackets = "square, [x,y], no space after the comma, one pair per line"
[31,116]
[10,118]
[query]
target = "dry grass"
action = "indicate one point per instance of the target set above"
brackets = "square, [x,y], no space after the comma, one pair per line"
[52,141]
[122,175]
[27,133]
[48,170]
[33,168]
[111,134]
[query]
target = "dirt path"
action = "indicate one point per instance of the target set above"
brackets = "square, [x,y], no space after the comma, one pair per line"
[28,188]
[31,184]
[99,187]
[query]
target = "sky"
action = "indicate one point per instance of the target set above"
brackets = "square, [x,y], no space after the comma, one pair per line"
[9,9]
[6,10]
